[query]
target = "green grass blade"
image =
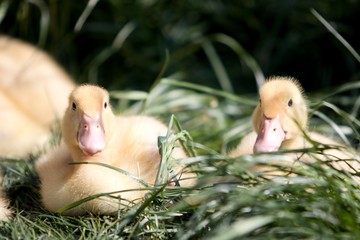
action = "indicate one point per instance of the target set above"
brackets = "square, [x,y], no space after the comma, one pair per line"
[85,14]
[44,21]
[218,67]
[4,6]
[95,196]
[119,40]
[242,227]
[332,30]
[208,90]
[243,55]
[134,212]
[166,146]
[126,173]
[129,95]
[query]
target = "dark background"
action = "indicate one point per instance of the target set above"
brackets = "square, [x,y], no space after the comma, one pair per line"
[284,37]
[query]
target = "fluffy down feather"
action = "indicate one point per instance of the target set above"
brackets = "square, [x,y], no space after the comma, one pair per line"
[92,133]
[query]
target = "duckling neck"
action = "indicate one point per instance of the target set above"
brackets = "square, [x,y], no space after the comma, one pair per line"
[79,156]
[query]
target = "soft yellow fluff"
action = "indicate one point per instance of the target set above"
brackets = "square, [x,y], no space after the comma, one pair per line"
[5,212]
[282,108]
[92,133]
[33,90]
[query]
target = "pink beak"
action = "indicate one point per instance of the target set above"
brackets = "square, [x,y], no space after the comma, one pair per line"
[270,136]
[91,135]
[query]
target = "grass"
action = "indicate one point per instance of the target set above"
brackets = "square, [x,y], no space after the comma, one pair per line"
[317,203]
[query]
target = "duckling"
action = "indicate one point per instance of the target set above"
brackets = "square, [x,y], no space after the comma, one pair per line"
[5,211]
[92,133]
[33,91]
[280,122]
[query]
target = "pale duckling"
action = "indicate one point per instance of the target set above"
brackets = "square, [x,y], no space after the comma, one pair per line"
[33,91]
[92,133]
[5,212]
[280,122]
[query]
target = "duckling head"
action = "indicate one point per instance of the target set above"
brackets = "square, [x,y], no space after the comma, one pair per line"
[88,120]
[281,114]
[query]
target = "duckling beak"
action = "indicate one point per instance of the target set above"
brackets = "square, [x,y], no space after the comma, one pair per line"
[91,135]
[270,136]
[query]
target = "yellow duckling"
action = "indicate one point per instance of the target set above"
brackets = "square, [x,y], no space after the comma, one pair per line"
[33,91]
[280,120]
[5,212]
[92,133]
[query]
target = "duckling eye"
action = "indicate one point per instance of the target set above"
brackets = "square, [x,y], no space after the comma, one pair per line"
[105,105]
[260,101]
[290,103]
[73,106]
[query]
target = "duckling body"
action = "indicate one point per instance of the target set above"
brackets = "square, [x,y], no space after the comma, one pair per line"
[33,90]
[280,122]
[5,211]
[91,133]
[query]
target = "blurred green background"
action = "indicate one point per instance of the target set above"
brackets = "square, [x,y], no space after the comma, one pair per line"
[284,37]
